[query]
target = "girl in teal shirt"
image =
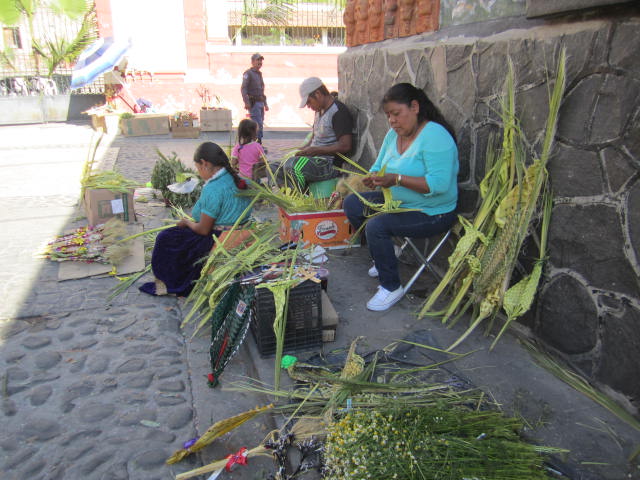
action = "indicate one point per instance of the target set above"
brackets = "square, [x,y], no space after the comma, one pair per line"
[178,251]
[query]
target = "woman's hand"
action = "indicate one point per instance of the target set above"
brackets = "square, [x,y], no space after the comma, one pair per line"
[203,227]
[417,184]
[368,181]
[387,180]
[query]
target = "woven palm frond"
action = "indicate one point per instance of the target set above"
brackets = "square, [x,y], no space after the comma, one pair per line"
[229,324]
[217,430]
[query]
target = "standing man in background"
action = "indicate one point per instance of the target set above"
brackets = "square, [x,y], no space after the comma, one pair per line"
[253,95]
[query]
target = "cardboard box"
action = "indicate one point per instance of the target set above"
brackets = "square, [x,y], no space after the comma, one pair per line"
[184,129]
[329,319]
[215,120]
[145,124]
[101,204]
[329,315]
[109,123]
[329,229]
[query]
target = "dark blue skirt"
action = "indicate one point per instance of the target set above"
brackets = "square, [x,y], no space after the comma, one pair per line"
[177,259]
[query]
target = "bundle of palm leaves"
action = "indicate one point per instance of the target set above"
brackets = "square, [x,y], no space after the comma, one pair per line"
[169,170]
[515,195]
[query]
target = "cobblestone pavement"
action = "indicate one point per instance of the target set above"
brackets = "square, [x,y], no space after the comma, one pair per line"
[88,390]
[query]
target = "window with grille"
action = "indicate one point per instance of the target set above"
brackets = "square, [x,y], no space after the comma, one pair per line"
[286,22]
[11,36]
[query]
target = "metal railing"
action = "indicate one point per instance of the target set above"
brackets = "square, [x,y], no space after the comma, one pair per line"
[23,78]
[286,22]
[23,73]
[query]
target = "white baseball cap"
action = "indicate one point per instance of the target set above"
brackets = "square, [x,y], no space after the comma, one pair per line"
[307,87]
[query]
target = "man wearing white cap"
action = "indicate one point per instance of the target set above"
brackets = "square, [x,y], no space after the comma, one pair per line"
[332,134]
[252,90]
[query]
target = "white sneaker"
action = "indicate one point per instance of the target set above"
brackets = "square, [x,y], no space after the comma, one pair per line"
[384,299]
[373,271]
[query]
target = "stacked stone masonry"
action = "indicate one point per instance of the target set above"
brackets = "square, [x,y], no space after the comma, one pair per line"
[589,304]
[368,21]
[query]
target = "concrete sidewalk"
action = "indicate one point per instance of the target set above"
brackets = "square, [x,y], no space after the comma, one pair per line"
[109,392]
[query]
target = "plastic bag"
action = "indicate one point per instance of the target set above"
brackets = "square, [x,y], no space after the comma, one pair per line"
[187,186]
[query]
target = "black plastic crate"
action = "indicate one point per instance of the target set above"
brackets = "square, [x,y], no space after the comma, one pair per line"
[303,329]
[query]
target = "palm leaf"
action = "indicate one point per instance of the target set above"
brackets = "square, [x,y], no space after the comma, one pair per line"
[70,8]
[216,431]
[274,12]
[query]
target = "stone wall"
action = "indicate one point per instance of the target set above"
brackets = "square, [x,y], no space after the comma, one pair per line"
[589,304]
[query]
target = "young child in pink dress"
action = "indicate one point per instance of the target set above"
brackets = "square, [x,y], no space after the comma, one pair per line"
[248,155]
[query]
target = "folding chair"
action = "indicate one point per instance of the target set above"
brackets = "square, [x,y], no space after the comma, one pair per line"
[424,256]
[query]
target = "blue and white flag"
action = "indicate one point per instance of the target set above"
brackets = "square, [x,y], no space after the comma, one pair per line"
[101,56]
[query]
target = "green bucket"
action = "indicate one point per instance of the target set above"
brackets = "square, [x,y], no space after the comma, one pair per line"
[323,189]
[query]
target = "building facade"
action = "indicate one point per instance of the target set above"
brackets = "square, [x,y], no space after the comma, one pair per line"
[187,46]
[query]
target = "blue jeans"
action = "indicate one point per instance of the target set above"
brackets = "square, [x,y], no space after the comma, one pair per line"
[380,229]
[256,112]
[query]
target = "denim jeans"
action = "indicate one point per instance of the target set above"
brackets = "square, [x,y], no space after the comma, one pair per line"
[256,112]
[380,229]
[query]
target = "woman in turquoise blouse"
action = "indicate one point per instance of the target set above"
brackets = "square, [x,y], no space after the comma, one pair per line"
[421,159]
[178,250]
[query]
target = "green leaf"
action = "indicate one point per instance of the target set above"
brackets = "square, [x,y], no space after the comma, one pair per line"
[28,7]
[149,423]
[70,8]
[9,12]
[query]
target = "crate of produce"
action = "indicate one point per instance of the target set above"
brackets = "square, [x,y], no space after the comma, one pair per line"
[184,128]
[303,329]
[215,120]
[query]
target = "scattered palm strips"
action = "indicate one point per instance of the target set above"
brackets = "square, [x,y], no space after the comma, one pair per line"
[227,260]
[513,191]
[403,430]
[109,179]
[290,199]
[583,386]
[224,265]
[217,430]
